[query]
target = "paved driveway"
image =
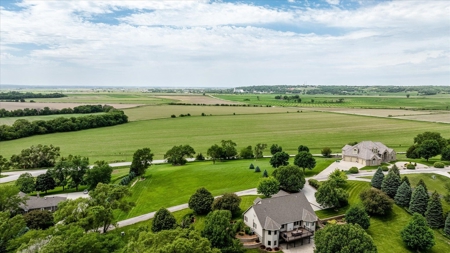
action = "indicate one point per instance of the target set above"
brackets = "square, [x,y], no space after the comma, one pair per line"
[305,248]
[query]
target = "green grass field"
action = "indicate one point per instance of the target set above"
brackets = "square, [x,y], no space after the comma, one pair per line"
[108,97]
[441,102]
[314,129]
[167,185]
[11,120]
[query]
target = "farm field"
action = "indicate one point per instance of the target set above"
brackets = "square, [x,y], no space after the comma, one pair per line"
[58,105]
[161,112]
[197,99]
[11,120]
[108,98]
[314,129]
[441,102]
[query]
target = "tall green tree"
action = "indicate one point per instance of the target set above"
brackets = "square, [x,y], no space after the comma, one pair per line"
[228,149]
[422,183]
[76,169]
[215,152]
[445,154]
[228,201]
[177,154]
[302,148]
[176,240]
[376,201]
[39,219]
[60,173]
[421,138]
[275,149]
[10,228]
[259,149]
[291,178]
[377,178]
[10,200]
[99,173]
[406,179]
[330,195]
[403,195]
[219,232]
[447,225]
[395,169]
[201,201]
[326,152]
[142,159]
[339,177]
[4,164]
[391,183]
[246,153]
[279,159]
[434,213]
[164,220]
[417,235]
[343,239]
[305,160]
[419,200]
[428,149]
[25,183]
[356,214]
[268,186]
[45,182]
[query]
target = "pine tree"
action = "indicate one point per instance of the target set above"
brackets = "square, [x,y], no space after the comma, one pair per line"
[447,225]
[395,170]
[422,183]
[419,201]
[406,179]
[377,179]
[417,234]
[265,174]
[403,196]
[251,166]
[391,183]
[434,213]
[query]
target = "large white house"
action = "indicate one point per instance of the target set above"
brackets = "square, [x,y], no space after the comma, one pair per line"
[368,153]
[284,217]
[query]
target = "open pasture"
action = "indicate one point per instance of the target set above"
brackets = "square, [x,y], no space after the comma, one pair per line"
[441,102]
[11,120]
[161,112]
[314,129]
[108,98]
[197,99]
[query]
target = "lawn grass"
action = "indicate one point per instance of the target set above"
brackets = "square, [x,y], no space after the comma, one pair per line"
[59,190]
[10,120]
[350,101]
[313,129]
[354,188]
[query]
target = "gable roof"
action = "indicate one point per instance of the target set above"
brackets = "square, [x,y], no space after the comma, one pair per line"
[276,211]
[38,203]
[365,150]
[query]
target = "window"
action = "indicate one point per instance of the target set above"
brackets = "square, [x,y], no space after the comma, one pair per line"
[245,218]
[282,226]
[254,225]
[274,243]
[275,232]
[296,223]
[268,243]
[269,232]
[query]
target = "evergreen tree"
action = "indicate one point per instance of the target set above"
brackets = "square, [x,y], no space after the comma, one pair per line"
[422,183]
[419,201]
[434,213]
[164,220]
[391,183]
[395,170]
[377,179]
[406,179]
[403,196]
[417,234]
[251,166]
[358,215]
[265,174]
[447,225]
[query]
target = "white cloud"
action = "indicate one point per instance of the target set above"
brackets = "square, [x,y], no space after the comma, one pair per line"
[215,44]
[333,2]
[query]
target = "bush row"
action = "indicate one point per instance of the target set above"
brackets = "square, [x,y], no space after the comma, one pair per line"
[47,111]
[14,95]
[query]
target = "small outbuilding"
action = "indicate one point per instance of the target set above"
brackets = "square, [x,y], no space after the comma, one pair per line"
[368,153]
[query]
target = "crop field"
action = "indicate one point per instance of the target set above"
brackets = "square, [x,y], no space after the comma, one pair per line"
[314,129]
[108,98]
[161,112]
[11,120]
[18,105]
[197,99]
[388,102]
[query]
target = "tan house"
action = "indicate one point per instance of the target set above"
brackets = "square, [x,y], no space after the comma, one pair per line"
[368,153]
[283,218]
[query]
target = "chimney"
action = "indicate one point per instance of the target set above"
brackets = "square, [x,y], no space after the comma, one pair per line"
[38,194]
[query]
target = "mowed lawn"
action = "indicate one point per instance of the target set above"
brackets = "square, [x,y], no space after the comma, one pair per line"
[314,129]
[167,185]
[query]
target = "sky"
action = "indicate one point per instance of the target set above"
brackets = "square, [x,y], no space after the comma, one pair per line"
[224,43]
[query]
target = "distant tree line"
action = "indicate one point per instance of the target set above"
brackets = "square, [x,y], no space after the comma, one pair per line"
[24,128]
[47,111]
[16,96]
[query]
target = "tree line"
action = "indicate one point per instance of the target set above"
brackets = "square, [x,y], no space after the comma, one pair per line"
[24,128]
[82,109]
[15,95]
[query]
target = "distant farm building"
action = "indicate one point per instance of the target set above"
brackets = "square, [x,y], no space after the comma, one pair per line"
[368,153]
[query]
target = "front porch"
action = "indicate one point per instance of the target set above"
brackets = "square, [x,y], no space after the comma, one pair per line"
[296,235]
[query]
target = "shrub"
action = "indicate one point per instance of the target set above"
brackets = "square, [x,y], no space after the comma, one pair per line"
[201,201]
[125,180]
[439,165]
[384,168]
[357,215]
[265,174]
[410,166]
[199,157]
[376,202]
[262,247]
[417,235]
[314,183]
[268,249]
[353,170]
[251,166]
[276,249]
[247,230]
[257,169]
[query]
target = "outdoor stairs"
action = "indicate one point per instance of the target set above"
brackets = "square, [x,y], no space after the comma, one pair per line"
[250,242]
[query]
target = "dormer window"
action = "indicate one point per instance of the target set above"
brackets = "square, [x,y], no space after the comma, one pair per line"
[355,151]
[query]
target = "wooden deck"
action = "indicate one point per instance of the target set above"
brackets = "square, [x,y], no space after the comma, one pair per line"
[296,234]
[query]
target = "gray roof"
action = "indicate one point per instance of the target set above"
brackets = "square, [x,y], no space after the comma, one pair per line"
[365,150]
[276,211]
[38,203]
